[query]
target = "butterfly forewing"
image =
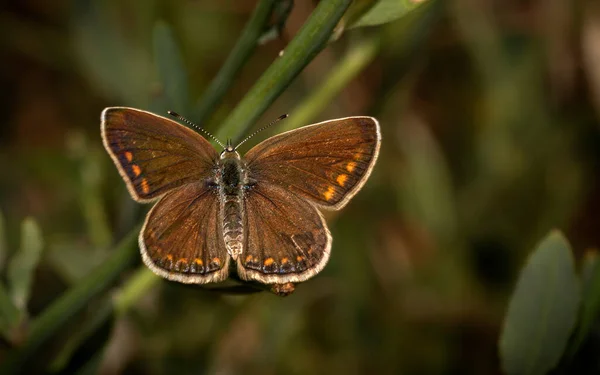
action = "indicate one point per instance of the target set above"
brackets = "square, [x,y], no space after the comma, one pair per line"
[182,238]
[154,154]
[326,163]
[287,239]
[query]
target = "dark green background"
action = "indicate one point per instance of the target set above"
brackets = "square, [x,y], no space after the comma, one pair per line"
[490,139]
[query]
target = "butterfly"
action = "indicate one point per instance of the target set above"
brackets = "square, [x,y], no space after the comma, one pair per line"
[254,218]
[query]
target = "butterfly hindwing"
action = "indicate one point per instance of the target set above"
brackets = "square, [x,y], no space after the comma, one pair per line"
[154,154]
[326,163]
[182,237]
[287,239]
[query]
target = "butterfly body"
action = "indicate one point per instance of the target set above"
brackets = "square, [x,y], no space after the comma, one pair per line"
[256,217]
[232,181]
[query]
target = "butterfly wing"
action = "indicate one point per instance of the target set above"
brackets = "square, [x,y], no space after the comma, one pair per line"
[326,163]
[154,154]
[182,237]
[287,239]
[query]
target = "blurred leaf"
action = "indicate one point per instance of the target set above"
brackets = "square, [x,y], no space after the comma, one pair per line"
[542,310]
[384,11]
[22,265]
[90,195]
[590,305]
[73,261]
[3,242]
[588,268]
[119,68]
[9,314]
[73,301]
[426,192]
[171,68]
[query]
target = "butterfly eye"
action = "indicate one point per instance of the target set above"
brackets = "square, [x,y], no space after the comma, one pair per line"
[211,183]
[250,184]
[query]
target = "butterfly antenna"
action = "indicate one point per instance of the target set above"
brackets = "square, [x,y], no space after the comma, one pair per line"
[181,118]
[261,129]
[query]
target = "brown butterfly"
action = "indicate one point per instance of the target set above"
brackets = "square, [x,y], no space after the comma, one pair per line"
[218,214]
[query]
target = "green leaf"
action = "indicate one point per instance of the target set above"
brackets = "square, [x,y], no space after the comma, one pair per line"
[77,298]
[3,244]
[10,316]
[22,265]
[119,67]
[171,69]
[384,11]
[590,305]
[543,309]
[90,195]
[426,190]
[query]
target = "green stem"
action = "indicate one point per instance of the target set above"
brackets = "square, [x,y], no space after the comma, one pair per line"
[357,59]
[137,285]
[309,41]
[70,303]
[237,58]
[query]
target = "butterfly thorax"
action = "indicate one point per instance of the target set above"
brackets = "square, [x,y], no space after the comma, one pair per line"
[231,180]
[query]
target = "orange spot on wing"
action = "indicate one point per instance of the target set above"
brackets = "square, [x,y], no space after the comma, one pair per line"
[299,258]
[128,156]
[169,257]
[350,166]
[329,193]
[145,186]
[284,260]
[341,179]
[198,261]
[248,258]
[136,170]
[269,261]
[216,260]
[182,260]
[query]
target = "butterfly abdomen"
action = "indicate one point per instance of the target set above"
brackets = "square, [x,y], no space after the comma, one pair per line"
[233,229]
[232,204]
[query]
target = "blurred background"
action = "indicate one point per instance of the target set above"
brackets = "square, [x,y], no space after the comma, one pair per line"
[489,114]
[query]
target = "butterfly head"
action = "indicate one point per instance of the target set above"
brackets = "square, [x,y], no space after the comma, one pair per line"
[229,151]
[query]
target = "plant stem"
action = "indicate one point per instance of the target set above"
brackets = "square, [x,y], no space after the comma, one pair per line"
[355,60]
[235,61]
[71,302]
[309,41]
[137,285]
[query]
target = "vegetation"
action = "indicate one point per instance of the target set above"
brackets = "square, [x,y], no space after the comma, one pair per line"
[471,249]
